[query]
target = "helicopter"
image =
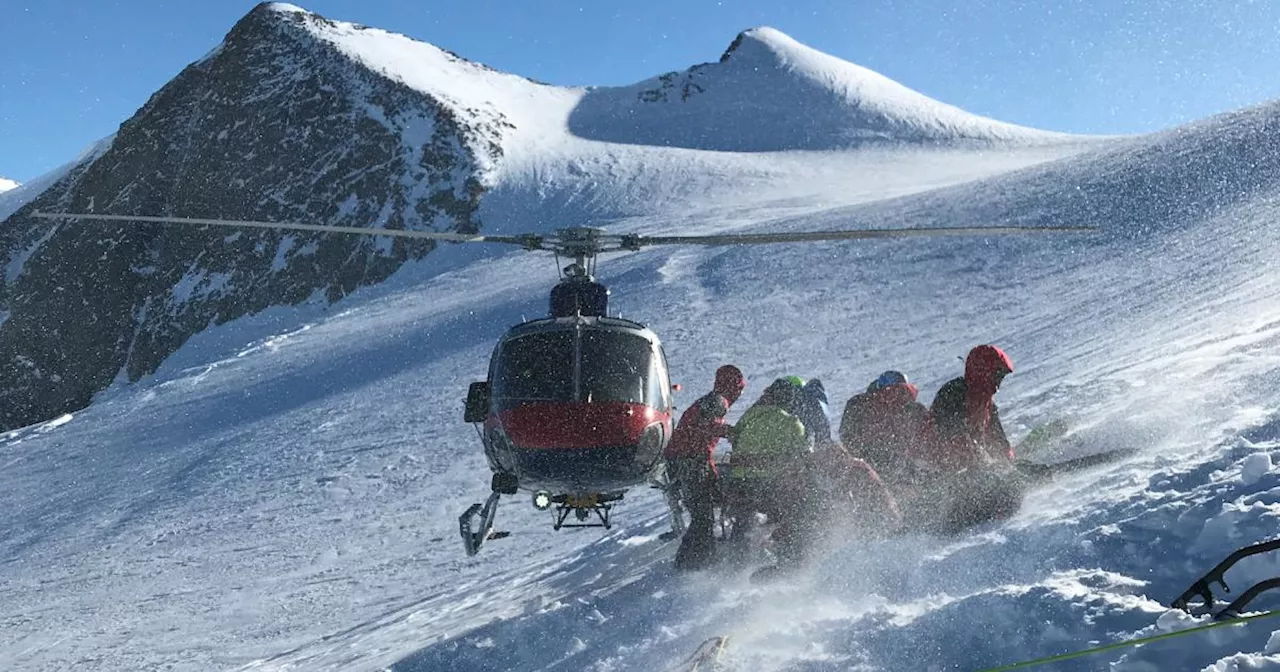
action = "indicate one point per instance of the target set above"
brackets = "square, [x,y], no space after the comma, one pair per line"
[577,406]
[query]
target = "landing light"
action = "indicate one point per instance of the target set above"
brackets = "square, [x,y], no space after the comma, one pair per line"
[542,500]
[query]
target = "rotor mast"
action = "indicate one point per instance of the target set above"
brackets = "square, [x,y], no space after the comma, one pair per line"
[578,293]
[583,244]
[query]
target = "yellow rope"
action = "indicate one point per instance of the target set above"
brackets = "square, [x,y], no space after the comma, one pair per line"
[1132,642]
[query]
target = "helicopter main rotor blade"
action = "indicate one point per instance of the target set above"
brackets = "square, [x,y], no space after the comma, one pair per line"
[527,241]
[632,242]
[592,244]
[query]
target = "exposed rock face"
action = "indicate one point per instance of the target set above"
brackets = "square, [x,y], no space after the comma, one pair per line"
[275,124]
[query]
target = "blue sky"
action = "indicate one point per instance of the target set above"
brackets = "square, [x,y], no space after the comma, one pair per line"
[71,71]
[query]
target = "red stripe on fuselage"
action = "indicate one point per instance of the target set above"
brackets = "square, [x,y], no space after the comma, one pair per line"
[570,425]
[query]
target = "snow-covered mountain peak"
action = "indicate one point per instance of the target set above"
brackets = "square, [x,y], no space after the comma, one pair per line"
[766,52]
[283,8]
[769,92]
[493,103]
[771,51]
[287,126]
[421,65]
[765,40]
[6,184]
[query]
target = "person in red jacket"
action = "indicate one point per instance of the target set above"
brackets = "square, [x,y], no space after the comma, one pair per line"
[966,423]
[691,467]
[968,475]
[885,425]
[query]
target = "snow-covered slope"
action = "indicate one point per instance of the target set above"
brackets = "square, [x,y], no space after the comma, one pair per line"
[6,184]
[769,92]
[283,493]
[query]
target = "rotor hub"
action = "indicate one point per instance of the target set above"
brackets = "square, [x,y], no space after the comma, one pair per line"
[582,241]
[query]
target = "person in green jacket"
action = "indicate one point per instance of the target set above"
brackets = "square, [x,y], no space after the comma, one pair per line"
[769,467]
[769,437]
[780,468]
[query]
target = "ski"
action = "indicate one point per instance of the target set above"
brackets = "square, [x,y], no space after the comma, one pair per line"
[1036,471]
[707,656]
[1042,436]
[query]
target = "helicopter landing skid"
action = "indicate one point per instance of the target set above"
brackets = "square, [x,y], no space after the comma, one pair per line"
[677,516]
[670,492]
[582,506]
[474,536]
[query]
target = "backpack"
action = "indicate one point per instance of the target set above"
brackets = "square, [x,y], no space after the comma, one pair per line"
[767,441]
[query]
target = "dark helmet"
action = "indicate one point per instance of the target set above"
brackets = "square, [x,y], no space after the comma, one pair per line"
[816,393]
[815,389]
[781,392]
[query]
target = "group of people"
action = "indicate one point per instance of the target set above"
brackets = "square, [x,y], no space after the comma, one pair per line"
[892,464]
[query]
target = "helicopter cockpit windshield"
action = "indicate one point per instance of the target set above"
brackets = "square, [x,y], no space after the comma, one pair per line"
[535,368]
[615,367]
[612,366]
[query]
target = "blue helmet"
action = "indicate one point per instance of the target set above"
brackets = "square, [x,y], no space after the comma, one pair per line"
[886,379]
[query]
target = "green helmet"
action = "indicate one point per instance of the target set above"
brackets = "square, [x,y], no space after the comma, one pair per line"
[796,381]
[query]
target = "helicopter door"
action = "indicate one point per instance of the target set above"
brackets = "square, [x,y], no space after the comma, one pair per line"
[537,367]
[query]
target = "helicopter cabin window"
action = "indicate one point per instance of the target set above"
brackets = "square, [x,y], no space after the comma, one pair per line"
[616,366]
[537,367]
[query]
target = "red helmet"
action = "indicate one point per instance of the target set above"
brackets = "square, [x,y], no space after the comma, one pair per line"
[730,382]
[986,366]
